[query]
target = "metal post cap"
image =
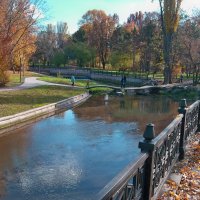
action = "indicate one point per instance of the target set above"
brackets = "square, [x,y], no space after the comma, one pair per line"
[183,103]
[149,132]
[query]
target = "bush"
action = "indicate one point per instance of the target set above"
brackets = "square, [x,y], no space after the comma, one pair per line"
[4,78]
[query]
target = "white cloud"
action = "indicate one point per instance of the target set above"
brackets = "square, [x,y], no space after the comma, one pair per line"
[189,5]
[124,10]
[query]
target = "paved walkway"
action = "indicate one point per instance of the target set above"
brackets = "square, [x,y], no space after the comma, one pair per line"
[32,82]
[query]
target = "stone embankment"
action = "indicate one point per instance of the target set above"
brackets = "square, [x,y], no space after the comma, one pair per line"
[19,120]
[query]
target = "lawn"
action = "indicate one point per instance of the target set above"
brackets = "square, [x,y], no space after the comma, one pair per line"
[12,102]
[14,78]
[67,81]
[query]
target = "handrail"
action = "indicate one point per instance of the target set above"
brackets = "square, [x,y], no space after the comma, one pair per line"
[120,183]
[165,133]
[143,178]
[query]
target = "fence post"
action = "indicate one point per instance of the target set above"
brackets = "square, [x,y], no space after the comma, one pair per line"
[147,146]
[198,129]
[182,110]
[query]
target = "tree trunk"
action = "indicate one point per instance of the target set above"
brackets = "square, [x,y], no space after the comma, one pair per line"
[103,64]
[133,64]
[168,57]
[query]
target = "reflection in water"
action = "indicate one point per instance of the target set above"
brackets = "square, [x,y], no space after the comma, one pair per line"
[140,109]
[75,153]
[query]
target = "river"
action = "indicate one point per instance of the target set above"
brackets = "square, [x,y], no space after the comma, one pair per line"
[72,155]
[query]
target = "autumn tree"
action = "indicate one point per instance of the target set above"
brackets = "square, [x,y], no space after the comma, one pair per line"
[121,48]
[151,55]
[169,10]
[189,43]
[46,44]
[62,35]
[51,42]
[18,19]
[134,26]
[99,28]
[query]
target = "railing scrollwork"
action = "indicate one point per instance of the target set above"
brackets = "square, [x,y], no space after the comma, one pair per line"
[143,179]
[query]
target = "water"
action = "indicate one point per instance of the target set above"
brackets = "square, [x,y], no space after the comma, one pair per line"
[74,154]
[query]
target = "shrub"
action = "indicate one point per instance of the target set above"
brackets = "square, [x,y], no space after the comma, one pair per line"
[4,78]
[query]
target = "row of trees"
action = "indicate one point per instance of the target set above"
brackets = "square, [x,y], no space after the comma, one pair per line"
[18,19]
[148,42]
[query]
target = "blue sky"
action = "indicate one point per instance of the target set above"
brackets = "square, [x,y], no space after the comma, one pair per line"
[71,11]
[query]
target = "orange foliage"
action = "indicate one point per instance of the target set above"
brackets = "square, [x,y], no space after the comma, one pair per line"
[177,70]
[99,28]
[17,27]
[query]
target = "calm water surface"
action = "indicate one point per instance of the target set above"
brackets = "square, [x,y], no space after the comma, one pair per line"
[74,154]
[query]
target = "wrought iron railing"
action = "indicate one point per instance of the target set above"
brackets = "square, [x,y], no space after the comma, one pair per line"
[144,178]
[129,183]
[192,116]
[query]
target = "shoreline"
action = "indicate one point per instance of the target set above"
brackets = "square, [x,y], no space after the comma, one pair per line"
[22,119]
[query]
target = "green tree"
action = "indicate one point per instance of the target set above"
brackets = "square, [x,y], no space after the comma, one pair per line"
[121,61]
[79,36]
[80,53]
[58,58]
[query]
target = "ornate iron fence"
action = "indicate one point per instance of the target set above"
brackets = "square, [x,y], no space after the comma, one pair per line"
[128,184]
[144,178]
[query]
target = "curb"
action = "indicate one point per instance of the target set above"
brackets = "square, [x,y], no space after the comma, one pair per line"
[19,120]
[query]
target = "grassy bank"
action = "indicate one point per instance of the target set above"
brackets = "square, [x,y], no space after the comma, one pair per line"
[100,91]
[190,93]
[67,81]
[12,102]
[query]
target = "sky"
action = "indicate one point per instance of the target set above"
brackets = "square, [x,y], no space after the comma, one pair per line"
[71,11]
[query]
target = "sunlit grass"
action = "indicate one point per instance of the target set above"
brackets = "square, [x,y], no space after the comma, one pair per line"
[14,78]
[12,102]
[67,81]
[102,90]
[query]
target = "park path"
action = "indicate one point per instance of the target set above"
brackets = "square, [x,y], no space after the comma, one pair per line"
[32,82]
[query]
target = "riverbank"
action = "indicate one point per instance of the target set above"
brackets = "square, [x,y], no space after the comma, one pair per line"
[16,101]
[13,122]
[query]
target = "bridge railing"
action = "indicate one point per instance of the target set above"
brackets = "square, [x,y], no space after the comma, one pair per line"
[144,177]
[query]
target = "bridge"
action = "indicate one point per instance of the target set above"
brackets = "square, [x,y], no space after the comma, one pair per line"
[145,176]
[144,89]
[104,86]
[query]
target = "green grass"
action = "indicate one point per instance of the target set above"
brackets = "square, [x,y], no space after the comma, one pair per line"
[99,91]
[14,79]
[67,81]
[12,102]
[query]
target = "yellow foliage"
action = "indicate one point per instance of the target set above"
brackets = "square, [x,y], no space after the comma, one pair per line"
[17,27]
[171,15]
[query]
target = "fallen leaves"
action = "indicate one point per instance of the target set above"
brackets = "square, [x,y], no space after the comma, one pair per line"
[189,187]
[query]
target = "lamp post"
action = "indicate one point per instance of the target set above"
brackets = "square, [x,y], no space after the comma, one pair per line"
[39,66]
[20,69]
[23,69]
